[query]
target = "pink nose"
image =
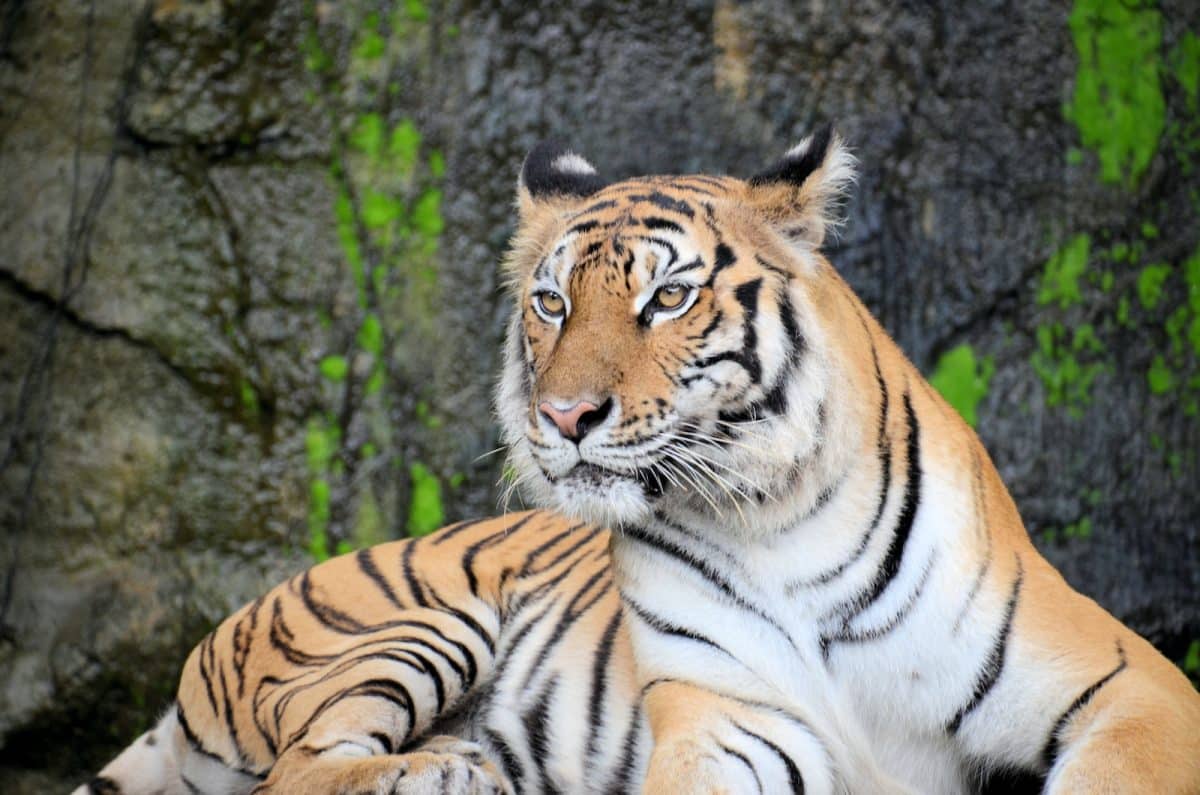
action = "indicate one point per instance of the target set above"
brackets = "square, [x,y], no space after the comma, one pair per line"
[574,422]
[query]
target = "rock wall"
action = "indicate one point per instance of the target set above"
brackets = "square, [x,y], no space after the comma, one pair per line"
[250,310]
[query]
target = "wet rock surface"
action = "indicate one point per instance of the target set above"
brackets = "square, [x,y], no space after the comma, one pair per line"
[186,350]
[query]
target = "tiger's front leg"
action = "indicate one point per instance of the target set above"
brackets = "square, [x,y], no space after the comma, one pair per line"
[708,743]
[441,765]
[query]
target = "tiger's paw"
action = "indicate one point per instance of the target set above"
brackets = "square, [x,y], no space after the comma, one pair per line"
[447,766]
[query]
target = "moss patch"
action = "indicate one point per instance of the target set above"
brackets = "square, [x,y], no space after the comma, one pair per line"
[1060,277]
[425,510]
[963,379]
[1118,103]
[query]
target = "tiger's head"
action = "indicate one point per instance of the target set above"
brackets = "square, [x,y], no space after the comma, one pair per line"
[670,345]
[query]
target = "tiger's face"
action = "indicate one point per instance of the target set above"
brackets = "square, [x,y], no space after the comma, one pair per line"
[662,349]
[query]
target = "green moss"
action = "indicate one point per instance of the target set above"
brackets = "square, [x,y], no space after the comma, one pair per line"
[1150,284]
[1118,103]
[1081,528]
[425,512]
[348,237]
[371,45]
[370,335]
[249,398]
[427,214]
[380,210]
[963,380]
[1123,307]
[334,368]
[1160,377]
[404,146]
[1060,277]
[368,135]
[318,519]
[1191,279]
[1067,365]
[321,440]
[1185,66]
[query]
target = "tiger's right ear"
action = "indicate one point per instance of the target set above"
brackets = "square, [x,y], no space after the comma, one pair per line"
[554,176]
[800,194]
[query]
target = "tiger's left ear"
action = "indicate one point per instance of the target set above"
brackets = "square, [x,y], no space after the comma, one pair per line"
[554,176]
[801,194]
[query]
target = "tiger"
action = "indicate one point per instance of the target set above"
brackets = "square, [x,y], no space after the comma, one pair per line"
[814,580]
[799,519]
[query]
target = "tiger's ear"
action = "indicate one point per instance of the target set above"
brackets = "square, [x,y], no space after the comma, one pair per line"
[554,176]
[801,194]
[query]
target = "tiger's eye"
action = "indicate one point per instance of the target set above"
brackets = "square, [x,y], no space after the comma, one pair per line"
[551,304]
[670,296]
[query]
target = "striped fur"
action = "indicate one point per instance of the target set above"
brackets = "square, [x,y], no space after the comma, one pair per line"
[490,657]
[800,520]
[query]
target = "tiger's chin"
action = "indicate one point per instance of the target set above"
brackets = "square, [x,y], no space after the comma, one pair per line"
[603,497]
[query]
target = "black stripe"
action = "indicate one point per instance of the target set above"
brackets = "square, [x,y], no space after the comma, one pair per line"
[205,662]
[894,557]
[654,222]
[878,632]
[387,690]
[664,627]
[540,549]
[596,207]
[366,564]
[327,615]
[723,257]
[508,760]
[795,780]
[629,754]
[230,721]
[447,533]
[570,614]
[883,448]
[197,746]
[281,637]
[410,575]
[536,720]
[600,669]
[706,571]
[467,619]
[583,226]
[695,264]
[993,664]
[665,202]
[908,511]
[1051,750]
[745,761]
[746,295]
[468,557]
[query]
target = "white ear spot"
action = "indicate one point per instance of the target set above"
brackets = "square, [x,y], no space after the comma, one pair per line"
[572,163]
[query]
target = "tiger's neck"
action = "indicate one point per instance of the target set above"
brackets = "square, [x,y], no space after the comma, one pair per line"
[850,518]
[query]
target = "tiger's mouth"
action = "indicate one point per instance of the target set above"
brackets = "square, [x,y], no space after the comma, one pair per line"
[650,478]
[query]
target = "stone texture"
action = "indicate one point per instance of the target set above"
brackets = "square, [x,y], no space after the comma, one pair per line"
[172,275]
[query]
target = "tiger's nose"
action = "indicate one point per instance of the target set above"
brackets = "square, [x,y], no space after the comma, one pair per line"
[575,422]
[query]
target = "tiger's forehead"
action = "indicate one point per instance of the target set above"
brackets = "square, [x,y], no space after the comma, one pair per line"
[637,231]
